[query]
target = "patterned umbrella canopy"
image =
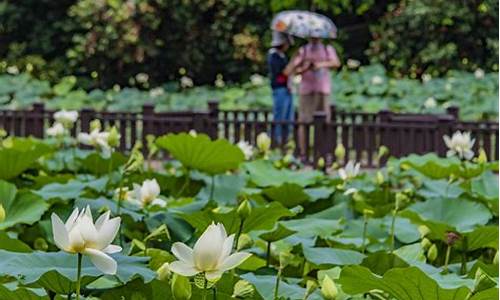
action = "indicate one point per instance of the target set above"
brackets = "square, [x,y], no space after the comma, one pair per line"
[304,24]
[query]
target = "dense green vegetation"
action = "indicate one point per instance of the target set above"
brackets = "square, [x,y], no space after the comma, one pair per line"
[367,89]
[422,228]
[110,42]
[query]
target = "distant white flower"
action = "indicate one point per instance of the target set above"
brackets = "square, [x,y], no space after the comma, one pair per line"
[211,254]
[56,130]
[186,82]
[193,133]
[426,77]
[350,170]
[263,142]
[66,117]
[460,144]
[350,191]
[257,79]
[13,70]
[377,80]
[156,92]
[479,73]
[142,77]
[430,103]
[353,63]
[146,194]
[219,83]
[246,148]
[97,139]
[80,235]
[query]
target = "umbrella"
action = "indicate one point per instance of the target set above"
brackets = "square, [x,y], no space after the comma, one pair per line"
[304,24]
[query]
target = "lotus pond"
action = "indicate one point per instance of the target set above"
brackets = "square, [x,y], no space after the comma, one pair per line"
[220,221]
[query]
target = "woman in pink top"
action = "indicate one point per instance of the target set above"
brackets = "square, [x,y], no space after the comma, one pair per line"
[313,61]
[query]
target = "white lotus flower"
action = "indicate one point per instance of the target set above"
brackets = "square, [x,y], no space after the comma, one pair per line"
[97,139]
[350,170]
[56,130]
[66,118]
[156,92]
[257,79]
[479,73]
[263,142]
[246,148]
[426,77]
[186,82]
[460,144]
[430,103]
[211,254]
[353,63]
[81,235]
[146,194]
[193,133]
[377,80]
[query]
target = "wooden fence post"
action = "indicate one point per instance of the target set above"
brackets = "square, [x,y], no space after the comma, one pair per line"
[445,127]
[320,136]
[213,119]
[148,112]
[384,118]
[454,111]
[86,116]
[35,125]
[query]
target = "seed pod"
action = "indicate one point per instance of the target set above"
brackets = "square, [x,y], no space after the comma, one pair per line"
[452,238]
[181,288]
[424,230]
[243,289]
[432,254]
[425,243]
[329,289]
[2,213]
[244,209]
[163,272]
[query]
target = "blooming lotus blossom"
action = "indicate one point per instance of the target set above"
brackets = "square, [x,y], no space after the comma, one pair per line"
[430,103]
[246,148]
[479,73]
[426,77]
[460,144]
[211,254]
[186,82]
[146,194]
[80,235]
[56,130]
[97,139]
[66,118]
[257,79]
[377,80]
[353,63]
[350,170]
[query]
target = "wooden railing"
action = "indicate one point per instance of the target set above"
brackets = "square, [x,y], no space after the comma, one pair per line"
[361,133]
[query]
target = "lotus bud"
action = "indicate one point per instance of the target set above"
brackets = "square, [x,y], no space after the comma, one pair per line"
[382,151]
[321,163]
[288,158]
[95,125]
[424,230]
[2,213]
[244,241]
[181,288]
[40,244]
[432,254]
[193,133]
[113,137]
[311,286]
[495,259]
[243,289]
[163,272]
[452,237]
[482,158]
[367,213]
[263,142]
[339,152]
[244,209]
[401,199]
[425,243]
[329,289]
[380,178]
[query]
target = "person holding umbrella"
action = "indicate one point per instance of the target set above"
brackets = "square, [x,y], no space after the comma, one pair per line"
[282,96]
[313,62]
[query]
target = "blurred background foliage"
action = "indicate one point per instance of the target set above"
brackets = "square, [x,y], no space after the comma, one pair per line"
[145,43]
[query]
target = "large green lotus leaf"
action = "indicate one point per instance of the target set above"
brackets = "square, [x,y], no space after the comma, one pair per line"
[201,153]
[481,237]
[72,189]
[431,165]
[18,154]
[401,283]
[445,214]
[331,256]
[264,217]
[310,227]
[278,233]
[109,204]
[20,208]
[288,194]
[11,244]
[95,163]
[264,174]
[30,267]
[440,188]
[316,193]
[485,188]
[265,285]
[382,261]
[226,188]
[488,294]
[11,291]
[136,289]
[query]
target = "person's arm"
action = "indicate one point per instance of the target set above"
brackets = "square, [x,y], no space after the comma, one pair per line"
[297,65]
[332,62]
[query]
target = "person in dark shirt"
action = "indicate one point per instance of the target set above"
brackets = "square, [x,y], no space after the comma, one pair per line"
[282,96]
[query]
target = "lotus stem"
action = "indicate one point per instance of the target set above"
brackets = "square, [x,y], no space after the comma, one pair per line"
[393,225]
[268,254]
[463,266]
[238,234]
[447,259]
[212,185]
[277,285]
[365,227]
[78,276]
[214,294]
[185,185]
